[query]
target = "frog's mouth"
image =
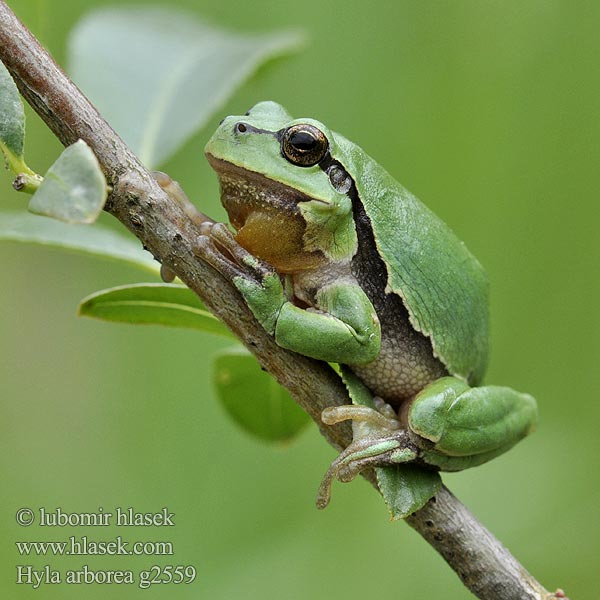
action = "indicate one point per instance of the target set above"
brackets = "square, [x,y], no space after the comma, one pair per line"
[266,216]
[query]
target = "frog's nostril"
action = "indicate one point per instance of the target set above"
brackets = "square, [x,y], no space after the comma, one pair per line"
[240,128]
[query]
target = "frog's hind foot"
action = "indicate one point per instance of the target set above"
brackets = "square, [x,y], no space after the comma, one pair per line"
[379,441]
[364,454]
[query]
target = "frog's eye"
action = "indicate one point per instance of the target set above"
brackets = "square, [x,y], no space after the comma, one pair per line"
[304,145]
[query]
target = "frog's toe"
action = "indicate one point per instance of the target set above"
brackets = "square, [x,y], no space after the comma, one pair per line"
[176,193]
[163,180]
[385,409]
[205,228]
[360,414]
[166,274]
[222,235]
[324,493]
[206,249]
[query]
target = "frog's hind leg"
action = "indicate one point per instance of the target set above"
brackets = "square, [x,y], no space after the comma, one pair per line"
[468,425]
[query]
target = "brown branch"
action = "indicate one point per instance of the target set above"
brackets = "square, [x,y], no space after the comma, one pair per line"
[483,564]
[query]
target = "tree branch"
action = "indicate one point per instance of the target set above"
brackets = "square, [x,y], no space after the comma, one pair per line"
[483,564]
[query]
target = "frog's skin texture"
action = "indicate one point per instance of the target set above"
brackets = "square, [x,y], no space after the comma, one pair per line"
[339,262]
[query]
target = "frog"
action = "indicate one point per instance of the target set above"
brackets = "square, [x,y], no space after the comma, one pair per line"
[338,262]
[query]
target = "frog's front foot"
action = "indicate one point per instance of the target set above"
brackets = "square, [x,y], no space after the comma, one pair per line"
[257,281]
[379,440]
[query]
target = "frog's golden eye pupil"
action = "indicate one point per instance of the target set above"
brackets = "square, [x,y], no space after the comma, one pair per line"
[304,145]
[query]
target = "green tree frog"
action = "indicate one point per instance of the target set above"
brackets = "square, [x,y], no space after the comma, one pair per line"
[339,262]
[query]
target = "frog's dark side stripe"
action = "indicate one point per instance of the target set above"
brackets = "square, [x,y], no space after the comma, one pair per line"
[401,343]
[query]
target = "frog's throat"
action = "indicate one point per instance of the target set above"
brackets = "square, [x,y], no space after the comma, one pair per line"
[267,217]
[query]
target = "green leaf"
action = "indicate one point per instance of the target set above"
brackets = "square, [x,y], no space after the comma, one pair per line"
[158,74]
[98,240]
[12,120]
[152,304]
[254,399]
[359,393]
[74,188]
[407,488]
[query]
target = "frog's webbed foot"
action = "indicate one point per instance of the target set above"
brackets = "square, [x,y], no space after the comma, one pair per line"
[379,440]
[176,193]
[258,283]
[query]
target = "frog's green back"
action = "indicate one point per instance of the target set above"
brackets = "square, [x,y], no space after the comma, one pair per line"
[442,284]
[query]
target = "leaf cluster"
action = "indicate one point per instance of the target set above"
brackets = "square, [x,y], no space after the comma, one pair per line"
[178,72]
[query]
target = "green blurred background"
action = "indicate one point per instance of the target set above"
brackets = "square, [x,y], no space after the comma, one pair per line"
[488,111]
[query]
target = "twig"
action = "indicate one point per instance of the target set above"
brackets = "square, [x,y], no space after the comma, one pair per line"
[483,564]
